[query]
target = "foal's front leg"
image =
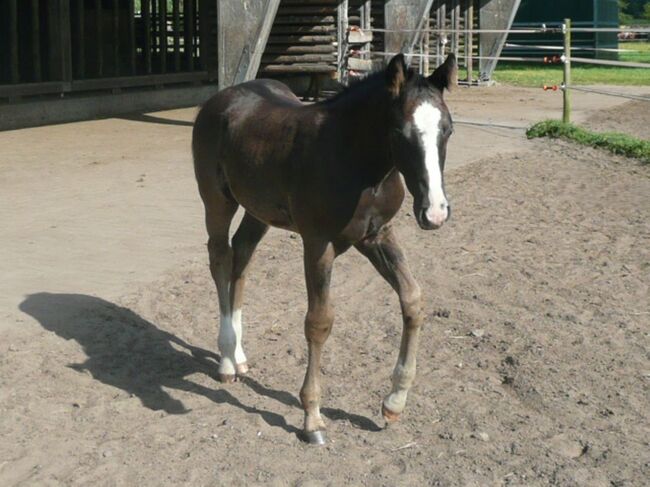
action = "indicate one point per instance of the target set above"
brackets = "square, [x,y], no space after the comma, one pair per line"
[386,255]
[319,257]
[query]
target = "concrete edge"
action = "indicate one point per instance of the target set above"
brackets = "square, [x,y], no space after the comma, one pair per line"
[46,111]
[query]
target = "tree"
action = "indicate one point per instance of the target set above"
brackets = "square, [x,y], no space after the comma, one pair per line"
[633,9]
[636,8]
[624,17]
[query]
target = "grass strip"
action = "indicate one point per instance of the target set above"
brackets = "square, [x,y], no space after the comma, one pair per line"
[529,74]
[616,143]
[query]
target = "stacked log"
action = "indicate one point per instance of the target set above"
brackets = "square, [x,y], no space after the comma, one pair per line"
[302,39]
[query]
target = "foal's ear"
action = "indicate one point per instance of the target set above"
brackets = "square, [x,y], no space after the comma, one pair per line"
[396,75]
[446,76]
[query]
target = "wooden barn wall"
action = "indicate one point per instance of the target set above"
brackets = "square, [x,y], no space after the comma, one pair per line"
[61,46]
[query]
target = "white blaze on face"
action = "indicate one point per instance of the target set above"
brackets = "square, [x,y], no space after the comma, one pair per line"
[427,120]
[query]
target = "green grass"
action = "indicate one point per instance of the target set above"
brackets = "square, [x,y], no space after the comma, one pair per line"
[641,54]
[614,142]
[537,74]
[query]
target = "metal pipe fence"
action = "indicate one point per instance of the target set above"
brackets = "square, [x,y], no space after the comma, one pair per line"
[566,58]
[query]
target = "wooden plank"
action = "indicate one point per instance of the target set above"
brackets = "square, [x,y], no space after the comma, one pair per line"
[162,23]
[444,37]
[36,41]
[469,40]
[455,22]
[420,59]
[189,34]
[289,49]
[154,29]
[99,37]
[146,16]
[441,36]
[30,89]
[14,73]
[211,27]
[342,26]
[64,40]
[366,23]
[301,39]
[135,81]
[53,50]
[295,3]
[359,37]
[298,68]
[203,33]
[299,58]
[357,64]
[116,38]
[177,34]
[302,29]
[309,2]
[81,39]
[269,13]
[132,47]
[307,10]
[291,20]
[425,46]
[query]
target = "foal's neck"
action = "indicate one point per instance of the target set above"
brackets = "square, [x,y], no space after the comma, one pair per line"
[363,113]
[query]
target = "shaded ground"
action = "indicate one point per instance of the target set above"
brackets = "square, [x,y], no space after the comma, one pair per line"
[533,364]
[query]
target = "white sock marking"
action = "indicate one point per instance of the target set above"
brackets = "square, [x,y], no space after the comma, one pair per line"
[230,335]
[240,357]
[227,345]
[427,120]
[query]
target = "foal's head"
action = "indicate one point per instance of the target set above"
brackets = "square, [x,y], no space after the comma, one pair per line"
[421,127]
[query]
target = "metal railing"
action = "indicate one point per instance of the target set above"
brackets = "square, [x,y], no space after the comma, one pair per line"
[565,55]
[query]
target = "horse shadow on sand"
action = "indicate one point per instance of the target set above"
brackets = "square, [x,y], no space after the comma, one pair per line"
[128,352]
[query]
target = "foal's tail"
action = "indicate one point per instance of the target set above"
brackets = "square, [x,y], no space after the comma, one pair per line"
[207,153]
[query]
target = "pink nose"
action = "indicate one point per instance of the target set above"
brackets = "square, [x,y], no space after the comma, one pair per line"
[438,214]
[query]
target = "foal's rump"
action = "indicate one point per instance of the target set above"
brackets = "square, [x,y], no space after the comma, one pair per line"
[242,138]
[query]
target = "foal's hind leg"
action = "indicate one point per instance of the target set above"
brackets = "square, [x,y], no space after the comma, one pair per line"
[244,242]
[219,211]
[386,255]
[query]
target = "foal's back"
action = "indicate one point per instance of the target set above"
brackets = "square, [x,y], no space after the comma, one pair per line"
[239,119]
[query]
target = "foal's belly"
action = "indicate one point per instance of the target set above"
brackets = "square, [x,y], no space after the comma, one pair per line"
[276,213]
[262,196]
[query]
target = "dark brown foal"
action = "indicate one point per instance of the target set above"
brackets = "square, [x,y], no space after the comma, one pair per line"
[332,172]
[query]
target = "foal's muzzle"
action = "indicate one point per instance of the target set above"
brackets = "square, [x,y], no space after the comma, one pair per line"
[432,219]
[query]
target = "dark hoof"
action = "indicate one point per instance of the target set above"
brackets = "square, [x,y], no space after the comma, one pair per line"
[315,437]
[227,378]
[241,369]
[389,416]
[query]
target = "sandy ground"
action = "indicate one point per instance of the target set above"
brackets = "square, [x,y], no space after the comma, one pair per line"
[533,365]
[633,122]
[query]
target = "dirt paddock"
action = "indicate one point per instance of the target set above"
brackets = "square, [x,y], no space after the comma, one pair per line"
[533,367]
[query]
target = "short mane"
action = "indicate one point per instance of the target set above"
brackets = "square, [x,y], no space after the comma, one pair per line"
[373,80]
[358,86]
